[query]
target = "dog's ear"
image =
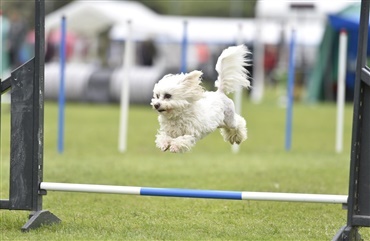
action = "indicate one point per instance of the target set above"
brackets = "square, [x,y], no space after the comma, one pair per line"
[193,76]
[192,89]
[167,75]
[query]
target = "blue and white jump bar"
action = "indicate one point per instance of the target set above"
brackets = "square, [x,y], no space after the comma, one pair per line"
[195,193]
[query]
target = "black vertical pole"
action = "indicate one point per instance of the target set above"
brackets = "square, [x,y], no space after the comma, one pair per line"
[359,192]
[38,216]
[26,130]
[359,183]
[27,126]
[38,100]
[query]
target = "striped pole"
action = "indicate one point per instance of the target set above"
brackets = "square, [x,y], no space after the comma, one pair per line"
[125,93]
[290,98]
[61,99]
[238,95]
[195,193]
[184,49]
[343,40]
[258,60]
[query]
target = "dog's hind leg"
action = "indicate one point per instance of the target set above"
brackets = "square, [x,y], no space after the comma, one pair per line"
[235,130]
[238,133]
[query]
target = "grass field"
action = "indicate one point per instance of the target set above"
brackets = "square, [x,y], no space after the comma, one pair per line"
[91,156]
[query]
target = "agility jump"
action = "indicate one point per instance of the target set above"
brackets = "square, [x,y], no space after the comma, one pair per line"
[27,187]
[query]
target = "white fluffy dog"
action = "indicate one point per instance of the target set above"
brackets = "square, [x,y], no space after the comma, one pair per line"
[187,112]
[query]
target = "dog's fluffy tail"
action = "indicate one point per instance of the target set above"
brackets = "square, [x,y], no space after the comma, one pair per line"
[231,69]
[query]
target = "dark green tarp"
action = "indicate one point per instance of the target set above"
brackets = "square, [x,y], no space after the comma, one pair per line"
[323,79]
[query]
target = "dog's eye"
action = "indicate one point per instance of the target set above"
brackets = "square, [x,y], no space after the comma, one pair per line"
[167,96]
[157,95]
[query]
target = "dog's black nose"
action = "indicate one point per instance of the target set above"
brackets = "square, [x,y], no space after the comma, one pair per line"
[157,106]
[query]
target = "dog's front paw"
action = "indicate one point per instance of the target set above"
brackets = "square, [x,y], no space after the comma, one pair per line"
[163,146]
[174,148]
[182,144]
[163,143]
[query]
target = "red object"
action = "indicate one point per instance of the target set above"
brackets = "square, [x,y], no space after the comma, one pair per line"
[54,38]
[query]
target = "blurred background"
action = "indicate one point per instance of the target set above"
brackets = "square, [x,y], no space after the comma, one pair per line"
[98,30]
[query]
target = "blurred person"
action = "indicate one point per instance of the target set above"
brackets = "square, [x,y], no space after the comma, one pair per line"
[81,48]
[148,52]
[4,26]
[203,54]
[16,36]
[104,47]
[27,50]
[270,61]
[51,48]
[206,64]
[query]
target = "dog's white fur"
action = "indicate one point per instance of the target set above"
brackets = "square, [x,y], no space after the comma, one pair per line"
[187,112]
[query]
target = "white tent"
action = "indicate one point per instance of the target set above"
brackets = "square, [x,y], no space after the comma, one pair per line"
[209,30]
[306,17]
[282,9]
[92,17]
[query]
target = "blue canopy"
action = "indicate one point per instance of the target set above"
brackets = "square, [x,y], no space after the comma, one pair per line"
[323,77]
[348,18]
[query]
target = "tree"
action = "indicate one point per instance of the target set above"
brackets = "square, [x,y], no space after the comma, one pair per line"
[215,8]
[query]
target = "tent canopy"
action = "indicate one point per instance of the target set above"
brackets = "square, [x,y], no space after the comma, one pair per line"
[91,18]
[324,74]
[347,18]
[199,30]
[272,9]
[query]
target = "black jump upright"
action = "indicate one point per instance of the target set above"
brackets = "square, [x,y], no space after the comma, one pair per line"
[359,183]
[26,84]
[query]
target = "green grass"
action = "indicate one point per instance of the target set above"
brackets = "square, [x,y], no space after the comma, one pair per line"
[91,156]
